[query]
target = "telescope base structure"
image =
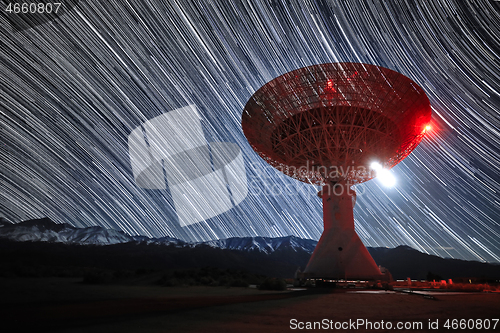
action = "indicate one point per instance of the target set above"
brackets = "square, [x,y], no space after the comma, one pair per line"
[340,254]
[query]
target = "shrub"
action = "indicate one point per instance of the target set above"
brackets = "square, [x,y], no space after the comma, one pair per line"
[273,284]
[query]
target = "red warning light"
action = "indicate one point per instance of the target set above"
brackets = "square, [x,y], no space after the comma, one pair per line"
[329,86]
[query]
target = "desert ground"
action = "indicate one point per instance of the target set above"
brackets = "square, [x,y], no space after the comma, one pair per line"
[67,305]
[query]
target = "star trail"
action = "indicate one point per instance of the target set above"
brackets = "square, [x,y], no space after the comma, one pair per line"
[74,88]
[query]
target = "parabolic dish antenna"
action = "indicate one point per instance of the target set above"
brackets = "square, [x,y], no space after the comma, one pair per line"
[327,124]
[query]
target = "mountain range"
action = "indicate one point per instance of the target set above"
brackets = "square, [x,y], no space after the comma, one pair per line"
[43,242]
[45,230]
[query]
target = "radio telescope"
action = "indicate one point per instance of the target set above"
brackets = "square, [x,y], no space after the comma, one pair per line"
[328,125]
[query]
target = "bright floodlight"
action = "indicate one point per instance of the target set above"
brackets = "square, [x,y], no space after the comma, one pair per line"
[376,166]
[326,124]
[386,178]
[383,175]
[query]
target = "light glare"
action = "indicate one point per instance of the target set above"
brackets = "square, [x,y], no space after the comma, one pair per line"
[386,178]
[376,166]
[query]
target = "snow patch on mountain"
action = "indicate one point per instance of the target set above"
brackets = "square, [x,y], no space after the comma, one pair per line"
[262,244]
[44,230]
[160,241]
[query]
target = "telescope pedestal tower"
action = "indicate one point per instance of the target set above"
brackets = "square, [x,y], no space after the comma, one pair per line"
[340,254]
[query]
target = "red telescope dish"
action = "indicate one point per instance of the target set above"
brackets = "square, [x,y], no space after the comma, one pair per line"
[331,121]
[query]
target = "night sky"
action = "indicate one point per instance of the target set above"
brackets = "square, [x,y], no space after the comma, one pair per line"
[73,89]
